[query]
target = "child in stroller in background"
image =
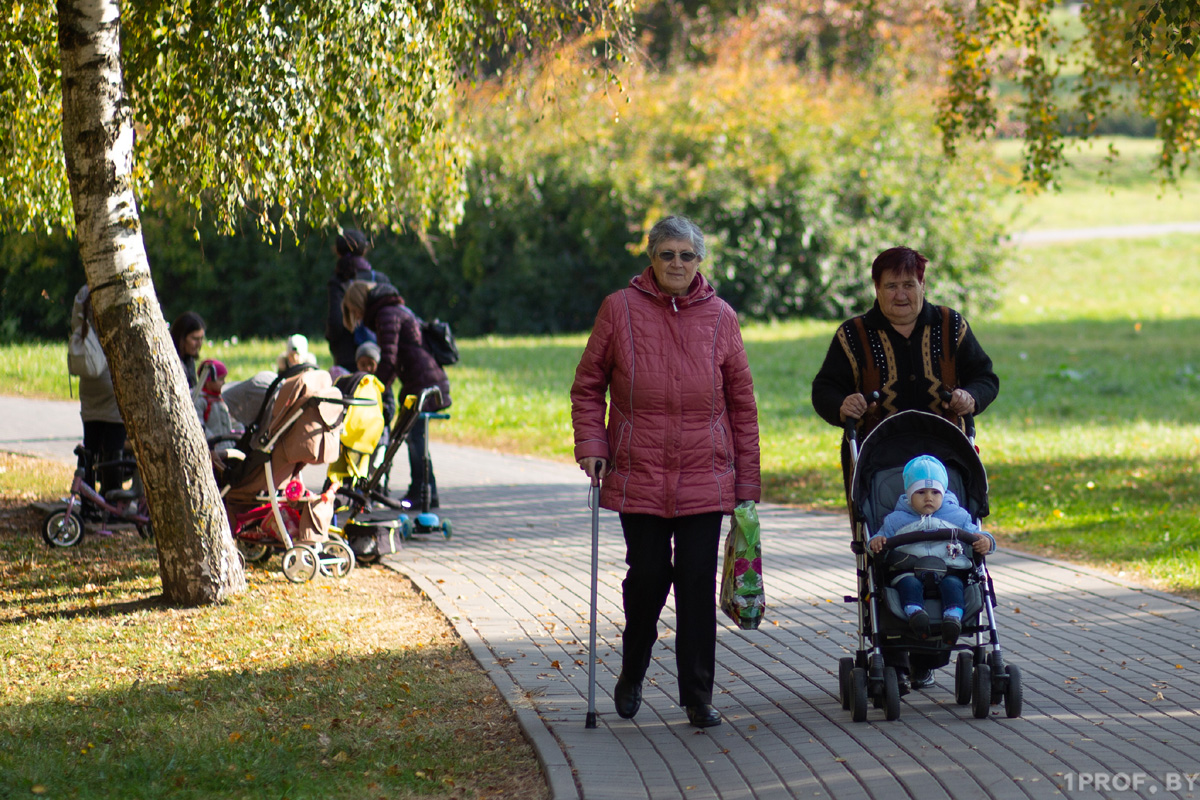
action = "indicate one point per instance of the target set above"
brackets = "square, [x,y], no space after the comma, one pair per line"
[928,505]
[219,429]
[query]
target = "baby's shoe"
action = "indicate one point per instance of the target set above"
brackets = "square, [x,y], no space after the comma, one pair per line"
[951,625]
[919,622]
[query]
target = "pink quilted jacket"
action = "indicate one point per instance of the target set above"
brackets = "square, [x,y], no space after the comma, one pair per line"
[682,431]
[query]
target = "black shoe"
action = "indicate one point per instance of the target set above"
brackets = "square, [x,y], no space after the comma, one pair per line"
[703,715]
[919,622]
[922,678]
[951,628]
[627,697]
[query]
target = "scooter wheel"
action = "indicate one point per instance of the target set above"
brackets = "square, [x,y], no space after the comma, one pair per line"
[61,529]
[447,531]
[253,552]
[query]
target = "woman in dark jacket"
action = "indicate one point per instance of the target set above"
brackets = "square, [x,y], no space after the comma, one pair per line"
[402,355]
[351,249]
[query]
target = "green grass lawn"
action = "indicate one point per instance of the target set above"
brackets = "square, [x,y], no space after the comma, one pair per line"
[1095,192]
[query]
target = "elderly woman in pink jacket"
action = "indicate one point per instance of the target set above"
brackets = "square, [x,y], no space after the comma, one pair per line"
[679,451]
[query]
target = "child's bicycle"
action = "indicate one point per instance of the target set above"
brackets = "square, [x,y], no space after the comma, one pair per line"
[63,527]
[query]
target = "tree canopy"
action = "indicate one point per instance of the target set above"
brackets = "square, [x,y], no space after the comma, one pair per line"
[321,109]
[1123,50]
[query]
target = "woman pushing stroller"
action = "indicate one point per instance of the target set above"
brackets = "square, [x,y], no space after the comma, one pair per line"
[904,354]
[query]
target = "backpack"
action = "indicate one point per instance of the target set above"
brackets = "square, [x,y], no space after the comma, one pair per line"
[85,356]
[438,339]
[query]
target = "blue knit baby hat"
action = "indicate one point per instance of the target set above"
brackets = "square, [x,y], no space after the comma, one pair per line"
[924,472]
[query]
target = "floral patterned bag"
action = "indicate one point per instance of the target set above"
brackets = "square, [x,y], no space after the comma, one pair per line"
[742,597]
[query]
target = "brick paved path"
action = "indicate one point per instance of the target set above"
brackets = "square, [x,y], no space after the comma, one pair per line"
[1110,670]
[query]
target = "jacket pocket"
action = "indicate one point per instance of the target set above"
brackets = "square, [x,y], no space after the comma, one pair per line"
[619,444]
[722,450]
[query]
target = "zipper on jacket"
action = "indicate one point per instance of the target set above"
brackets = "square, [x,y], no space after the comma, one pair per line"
[673,305]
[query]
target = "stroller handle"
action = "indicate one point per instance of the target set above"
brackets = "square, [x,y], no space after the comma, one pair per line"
[937,535]
[345,401]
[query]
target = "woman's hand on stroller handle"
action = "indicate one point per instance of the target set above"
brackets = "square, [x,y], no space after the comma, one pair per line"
[959,401]
[855,405]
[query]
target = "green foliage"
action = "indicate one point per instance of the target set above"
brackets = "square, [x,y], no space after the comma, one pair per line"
[299,111]
[33,186]
[1090,69]
[797,194]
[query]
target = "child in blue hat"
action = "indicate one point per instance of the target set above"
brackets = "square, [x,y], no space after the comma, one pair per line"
[927,498]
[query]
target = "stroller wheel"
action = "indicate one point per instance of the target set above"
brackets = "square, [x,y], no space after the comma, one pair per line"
[300,563]
[252,551]
[858,696]
[337,559]
[61,529]
[891,693]
[1012,694]
[962,678]
[981,702]
[845,667]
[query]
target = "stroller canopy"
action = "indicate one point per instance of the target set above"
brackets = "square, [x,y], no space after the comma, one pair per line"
[904,436]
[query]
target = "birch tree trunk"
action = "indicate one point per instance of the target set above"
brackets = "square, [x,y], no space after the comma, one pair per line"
[197,559]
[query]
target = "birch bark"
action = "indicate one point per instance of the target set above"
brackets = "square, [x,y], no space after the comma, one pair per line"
[197,559]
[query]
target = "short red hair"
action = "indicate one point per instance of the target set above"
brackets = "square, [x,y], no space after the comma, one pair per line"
[902,261]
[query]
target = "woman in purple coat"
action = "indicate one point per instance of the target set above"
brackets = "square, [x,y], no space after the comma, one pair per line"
[402,355]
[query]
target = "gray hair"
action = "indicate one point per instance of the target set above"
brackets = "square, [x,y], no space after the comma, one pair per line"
[675,227]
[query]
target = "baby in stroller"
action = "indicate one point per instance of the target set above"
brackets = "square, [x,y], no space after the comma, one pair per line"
[928,505]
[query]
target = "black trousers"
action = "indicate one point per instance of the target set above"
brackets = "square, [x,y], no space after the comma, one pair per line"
[105,441]
[662,552]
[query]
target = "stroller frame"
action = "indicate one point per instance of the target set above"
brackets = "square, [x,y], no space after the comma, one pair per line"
[982,677]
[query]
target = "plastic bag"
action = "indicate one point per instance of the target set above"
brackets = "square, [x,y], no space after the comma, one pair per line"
[85,356]
[743,598]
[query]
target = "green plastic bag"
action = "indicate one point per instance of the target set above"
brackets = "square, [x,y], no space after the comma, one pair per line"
[742,596]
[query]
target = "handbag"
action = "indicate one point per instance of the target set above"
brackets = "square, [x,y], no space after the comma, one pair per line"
[85,356]
[743,598]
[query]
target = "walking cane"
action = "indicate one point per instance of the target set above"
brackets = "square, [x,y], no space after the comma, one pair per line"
[594,504]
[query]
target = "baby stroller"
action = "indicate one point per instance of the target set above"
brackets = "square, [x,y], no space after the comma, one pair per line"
[373,521]
[887,647]
[269,509]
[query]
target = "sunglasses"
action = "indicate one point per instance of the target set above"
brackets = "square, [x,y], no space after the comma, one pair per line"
[687,256]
